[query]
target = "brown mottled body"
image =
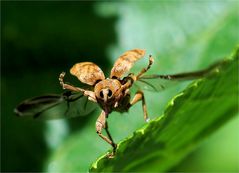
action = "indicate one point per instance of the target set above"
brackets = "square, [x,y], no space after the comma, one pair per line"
[111,94]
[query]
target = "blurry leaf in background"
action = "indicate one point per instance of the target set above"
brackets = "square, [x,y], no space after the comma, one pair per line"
[190,117]
[181,37]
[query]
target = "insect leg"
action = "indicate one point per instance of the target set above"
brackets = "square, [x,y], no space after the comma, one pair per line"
[140,96]
[100,124]
[114,145]
[67,86]
[89,94]
[144,70]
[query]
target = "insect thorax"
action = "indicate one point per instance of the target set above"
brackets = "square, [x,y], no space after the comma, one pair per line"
[109,94]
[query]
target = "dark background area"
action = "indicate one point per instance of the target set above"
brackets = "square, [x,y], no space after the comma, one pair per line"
[39,40]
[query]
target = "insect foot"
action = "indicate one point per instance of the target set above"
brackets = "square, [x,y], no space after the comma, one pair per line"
[112,154]
[147,120]
[61,76]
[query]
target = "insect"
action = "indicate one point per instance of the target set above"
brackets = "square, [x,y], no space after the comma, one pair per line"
[111,94]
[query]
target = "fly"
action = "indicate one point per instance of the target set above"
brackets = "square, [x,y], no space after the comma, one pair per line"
[111,94]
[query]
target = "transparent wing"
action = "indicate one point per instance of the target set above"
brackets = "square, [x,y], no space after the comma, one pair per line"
[55,106]
[160,82]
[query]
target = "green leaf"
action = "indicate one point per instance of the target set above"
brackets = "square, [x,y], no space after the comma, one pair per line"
[190,117]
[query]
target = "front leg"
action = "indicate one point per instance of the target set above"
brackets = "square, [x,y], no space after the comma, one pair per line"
[144,70]
[100,124]
[67,86]
[87,93]
[140,96]
[133,77]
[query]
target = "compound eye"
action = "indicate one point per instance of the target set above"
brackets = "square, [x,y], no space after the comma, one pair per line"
[109,93]
[101,94]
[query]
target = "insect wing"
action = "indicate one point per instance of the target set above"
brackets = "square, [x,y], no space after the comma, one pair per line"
[154,84]
[33,106]
[125,62]
[52,106]
[87,72]
[160,82]
[79,105]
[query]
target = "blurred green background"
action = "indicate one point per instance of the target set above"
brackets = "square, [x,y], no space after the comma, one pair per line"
[41,39]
